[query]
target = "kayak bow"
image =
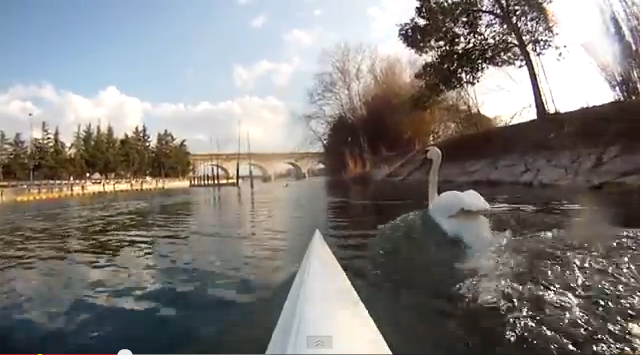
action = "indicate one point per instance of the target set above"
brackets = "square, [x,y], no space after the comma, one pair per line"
[323,313]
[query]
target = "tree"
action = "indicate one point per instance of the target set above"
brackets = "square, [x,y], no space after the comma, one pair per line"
[144,145]
[18,162]
[620,67]
[59,161]
[76,159]
[4,153]
[362,108]
[40,154]
[462,38]
[99,151]
[338,89]
[127,156]
[87,151]
[110,164]
[94,150]
[162,157]
[180,159]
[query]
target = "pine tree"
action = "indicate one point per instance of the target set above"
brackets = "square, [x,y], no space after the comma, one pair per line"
[93,150]
[111,157]
[4,153]
[18,162]
[59,168]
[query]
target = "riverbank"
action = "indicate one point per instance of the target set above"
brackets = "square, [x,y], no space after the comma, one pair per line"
[54,190]
[591,147]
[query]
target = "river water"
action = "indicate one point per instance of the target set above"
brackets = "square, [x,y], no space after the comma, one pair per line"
[207,271]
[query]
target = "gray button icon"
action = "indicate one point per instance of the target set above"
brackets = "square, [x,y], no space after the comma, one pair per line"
[319,342]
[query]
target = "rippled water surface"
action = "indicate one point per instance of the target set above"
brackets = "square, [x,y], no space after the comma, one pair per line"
[198,271]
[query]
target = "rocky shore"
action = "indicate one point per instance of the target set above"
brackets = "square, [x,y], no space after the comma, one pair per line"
[591,147]
[583,167]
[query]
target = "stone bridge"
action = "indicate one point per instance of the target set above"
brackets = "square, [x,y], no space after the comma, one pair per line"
[262,163]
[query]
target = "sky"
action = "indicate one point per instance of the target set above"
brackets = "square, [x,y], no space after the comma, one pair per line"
[197,67]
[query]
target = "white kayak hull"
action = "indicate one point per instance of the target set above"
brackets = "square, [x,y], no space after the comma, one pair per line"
[323,313]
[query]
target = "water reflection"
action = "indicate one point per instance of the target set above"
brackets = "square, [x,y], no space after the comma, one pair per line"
[79,274]
[206,270]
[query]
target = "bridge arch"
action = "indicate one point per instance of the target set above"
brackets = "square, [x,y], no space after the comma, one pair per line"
[314,166]
[265,172]
[300,172]
[224,170]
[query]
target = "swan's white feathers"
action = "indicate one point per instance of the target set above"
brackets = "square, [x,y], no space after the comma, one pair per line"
[450,203]
[452,211]
[458,213]
[475,201]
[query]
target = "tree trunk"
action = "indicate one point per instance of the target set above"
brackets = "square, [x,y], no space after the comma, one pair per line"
[540,107]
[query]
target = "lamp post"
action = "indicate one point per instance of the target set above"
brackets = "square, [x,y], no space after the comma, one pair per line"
[218,163]
[211,165]
[238,159]
[249,157]
[31,147]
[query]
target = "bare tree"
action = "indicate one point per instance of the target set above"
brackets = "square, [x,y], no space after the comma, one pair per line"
[338,88]
[621,20]
[361,107]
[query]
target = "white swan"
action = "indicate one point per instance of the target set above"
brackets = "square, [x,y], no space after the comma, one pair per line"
[460,214]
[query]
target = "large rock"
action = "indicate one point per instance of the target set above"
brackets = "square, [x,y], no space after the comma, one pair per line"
[586,167]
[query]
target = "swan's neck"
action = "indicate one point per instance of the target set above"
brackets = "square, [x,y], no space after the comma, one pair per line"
[433,179]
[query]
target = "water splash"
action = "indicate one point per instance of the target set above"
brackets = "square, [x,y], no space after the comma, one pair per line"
[575,289]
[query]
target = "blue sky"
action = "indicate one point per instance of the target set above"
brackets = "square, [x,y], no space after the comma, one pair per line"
[194,66]
[163,50]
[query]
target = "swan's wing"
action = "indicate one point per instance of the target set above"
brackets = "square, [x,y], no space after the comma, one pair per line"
[448,204]
[474,201]
[449,211]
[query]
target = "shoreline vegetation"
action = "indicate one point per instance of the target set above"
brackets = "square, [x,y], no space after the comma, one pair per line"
[615,124]
[594,147]
[370,111]
[94,153]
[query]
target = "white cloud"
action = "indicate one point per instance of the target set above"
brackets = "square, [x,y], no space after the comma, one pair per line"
[384,18]
[243,2]
[306,44]
[66,108]
[258,21]
[387,14]
[280,72]
[298,38]
[266,118]
[317,12]
[246,77]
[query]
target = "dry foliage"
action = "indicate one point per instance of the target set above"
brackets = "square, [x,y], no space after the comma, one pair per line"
[621,70]
[616,124]
[363,106]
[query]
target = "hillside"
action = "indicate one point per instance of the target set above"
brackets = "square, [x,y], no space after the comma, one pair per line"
[608,125]
[589,146]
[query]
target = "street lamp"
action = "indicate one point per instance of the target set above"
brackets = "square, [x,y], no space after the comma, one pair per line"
[31,147]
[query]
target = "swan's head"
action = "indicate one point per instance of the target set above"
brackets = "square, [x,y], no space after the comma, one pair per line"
[433,153]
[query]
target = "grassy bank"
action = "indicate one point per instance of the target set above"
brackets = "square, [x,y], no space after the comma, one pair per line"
[604,126]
